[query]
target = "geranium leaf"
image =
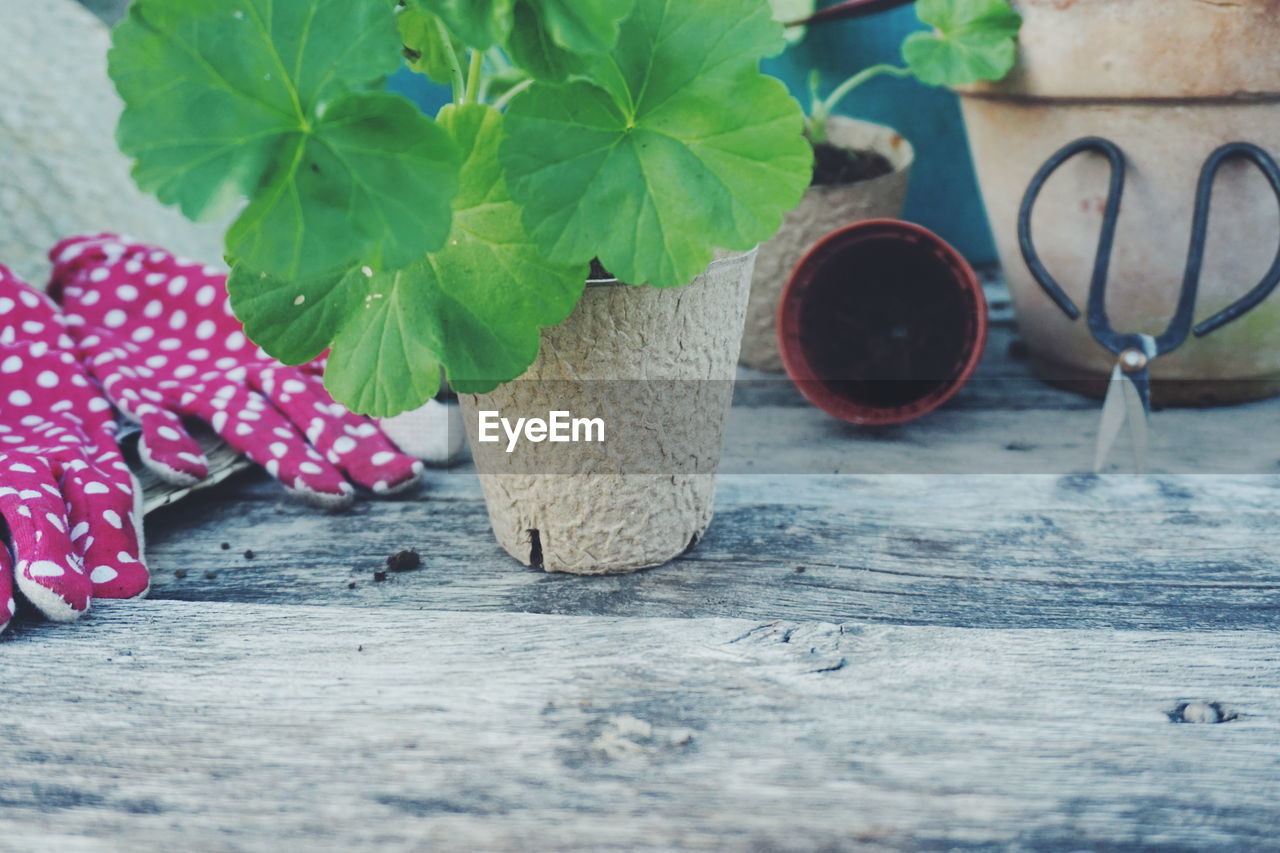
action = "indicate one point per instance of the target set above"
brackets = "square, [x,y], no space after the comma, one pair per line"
[657,171]
[269,101]
[371,184]
[381,364]
[532,47]
[492,290]
[479,23]
[425,48]
[582,27]
[295,320]
[550,38]
[477,306]
[972,40]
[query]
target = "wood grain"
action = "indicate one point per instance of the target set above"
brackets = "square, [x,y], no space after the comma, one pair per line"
[1170,552]
[163,725]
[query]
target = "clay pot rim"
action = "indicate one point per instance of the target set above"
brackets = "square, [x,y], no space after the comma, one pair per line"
[814,389]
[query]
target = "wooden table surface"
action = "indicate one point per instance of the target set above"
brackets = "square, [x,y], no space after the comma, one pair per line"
[936,636]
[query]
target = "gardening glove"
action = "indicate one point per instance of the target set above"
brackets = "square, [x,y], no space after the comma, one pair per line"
[66,495]
[159,334]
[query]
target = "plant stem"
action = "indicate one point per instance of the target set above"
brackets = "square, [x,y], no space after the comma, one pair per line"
[842,91]
[475,78]
[507,96]
[822,109]
[459,83]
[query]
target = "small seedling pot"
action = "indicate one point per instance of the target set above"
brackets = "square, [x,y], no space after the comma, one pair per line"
[656,366]
[881,322]
[823,210]
[1168,83]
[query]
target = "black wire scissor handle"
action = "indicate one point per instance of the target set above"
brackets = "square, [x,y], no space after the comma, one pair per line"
[1180,327]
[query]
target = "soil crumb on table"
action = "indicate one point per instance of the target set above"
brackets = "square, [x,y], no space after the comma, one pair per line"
[404,561]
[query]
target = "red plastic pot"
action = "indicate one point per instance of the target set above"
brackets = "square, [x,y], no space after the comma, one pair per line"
[881,322]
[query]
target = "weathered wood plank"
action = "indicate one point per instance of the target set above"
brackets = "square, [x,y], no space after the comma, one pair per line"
[163,725]
[784,440]
[1171,552]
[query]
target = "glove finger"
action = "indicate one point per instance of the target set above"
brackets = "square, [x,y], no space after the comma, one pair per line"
[46,567]
[104,513]
[165,446]
[168,449]
[8,606]
[247,422]
[352,443]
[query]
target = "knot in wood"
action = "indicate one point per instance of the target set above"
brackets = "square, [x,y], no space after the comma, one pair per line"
[1201,711]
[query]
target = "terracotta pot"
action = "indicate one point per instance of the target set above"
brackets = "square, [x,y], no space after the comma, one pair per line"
[1168,81]
[657,367]
[823,210]
[881,323]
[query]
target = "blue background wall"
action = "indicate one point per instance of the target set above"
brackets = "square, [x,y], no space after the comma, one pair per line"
[944,191]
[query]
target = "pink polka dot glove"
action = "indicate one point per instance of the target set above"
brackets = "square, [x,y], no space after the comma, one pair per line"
[158,333]
[66,495]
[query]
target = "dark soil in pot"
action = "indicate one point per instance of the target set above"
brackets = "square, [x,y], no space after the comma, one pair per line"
[836,166]
[879,326]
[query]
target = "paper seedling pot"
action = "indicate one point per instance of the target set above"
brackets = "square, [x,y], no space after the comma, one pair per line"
[657,366]
[882,322]
[1168,83]
[823,210]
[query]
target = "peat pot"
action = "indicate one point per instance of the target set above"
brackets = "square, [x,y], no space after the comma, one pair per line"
[655,368]
[1168,81]
[823,210]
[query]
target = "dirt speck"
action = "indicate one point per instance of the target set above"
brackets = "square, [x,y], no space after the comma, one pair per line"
[404,561]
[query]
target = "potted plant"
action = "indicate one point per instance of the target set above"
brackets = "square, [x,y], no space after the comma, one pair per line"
[861,169]
[404,244]
[1168,83]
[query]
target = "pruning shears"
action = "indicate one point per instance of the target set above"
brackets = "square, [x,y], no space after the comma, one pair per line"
[1130,387]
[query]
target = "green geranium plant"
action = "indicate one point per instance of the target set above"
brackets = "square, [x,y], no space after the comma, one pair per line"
[637,132]
[969,40]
